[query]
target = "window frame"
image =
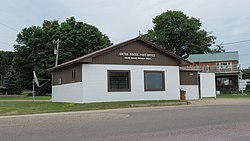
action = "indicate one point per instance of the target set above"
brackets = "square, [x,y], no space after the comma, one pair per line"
[59,81]
[163,80]
[119,90]
[224,65]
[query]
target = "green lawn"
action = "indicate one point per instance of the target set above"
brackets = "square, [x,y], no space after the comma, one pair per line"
[234,95]
[23,97]
[21,108]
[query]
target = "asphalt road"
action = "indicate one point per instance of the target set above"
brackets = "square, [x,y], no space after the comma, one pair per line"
[222,122]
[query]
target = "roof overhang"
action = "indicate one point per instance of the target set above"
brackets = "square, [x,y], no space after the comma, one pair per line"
[227,74]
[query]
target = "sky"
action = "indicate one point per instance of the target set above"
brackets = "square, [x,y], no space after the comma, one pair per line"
[121,20]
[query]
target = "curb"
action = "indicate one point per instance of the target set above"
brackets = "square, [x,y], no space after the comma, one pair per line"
[160,104]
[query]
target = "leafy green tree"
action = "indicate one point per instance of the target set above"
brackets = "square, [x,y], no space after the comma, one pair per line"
[219,48]
[246,73]
[10,80]
[78,38]
[180,34]
[35,48]
[33,52]
[6,58]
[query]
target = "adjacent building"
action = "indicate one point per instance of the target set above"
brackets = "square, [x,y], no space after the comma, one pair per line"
[225,65]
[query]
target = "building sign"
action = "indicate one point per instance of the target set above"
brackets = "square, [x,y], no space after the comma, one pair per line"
[137,56]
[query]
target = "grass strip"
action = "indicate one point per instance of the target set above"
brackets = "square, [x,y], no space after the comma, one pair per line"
[22,108]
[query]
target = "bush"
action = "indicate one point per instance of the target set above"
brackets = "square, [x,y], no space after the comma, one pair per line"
[14,91]
[248,88]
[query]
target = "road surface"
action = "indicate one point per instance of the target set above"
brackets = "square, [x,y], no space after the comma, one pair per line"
[229,121]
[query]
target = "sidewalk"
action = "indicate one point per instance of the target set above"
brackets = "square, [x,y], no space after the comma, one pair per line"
[219,101]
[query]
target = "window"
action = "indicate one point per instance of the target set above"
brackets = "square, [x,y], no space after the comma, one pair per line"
[118,80]
[224,81]
[224,65]
[207,68]
[154,81]
[73,73]
[59,81]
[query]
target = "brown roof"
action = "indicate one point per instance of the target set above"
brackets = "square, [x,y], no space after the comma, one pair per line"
[85,58]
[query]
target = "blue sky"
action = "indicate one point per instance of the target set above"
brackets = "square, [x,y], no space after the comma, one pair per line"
[229,21]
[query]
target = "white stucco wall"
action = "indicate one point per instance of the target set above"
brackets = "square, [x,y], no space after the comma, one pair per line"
[207,85]
[72,92]
[192,91]
[95,87]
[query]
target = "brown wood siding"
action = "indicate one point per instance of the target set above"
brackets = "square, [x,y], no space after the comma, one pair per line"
[112,57]
[213,63]
[188,78]
[212,66]
[65,74]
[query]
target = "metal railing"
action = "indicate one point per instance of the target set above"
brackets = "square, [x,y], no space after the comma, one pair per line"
[215,69]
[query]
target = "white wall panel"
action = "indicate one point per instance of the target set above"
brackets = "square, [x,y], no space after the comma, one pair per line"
[192,91]
[95,83]
[72,92]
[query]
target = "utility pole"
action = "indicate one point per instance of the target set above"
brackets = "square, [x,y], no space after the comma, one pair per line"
[33,93]
[57,51]
[1,80]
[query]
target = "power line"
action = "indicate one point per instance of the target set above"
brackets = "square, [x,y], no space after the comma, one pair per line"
[242,41]
[9,27]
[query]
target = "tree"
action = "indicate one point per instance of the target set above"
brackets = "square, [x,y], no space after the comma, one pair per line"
[180,34]
[78,38]
[218,49]
[6,58]
[35,48]
[246,73]
[10,81]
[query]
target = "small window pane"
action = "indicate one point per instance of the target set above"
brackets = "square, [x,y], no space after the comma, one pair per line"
[119,80]
[154,80]
[59,81]
[224,65]
[73,74]
[224,81]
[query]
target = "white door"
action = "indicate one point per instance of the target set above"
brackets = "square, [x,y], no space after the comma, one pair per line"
[207,85]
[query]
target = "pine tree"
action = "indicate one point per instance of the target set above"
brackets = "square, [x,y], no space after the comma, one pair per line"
[10,81]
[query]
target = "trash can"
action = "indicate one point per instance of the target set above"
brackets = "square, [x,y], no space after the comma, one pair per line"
[217,92]
[183,95]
